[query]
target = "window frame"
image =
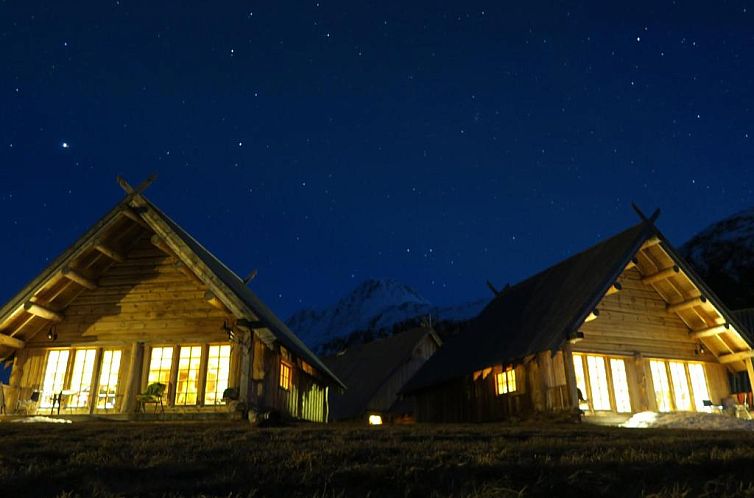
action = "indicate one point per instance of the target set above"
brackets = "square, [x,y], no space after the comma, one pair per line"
[503,382]
[285,366]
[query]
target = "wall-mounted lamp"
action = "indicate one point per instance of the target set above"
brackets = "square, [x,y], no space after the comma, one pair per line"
[52,334]
[227,329]
[699,349]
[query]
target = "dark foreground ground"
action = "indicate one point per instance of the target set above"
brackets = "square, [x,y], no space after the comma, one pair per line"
[236,460]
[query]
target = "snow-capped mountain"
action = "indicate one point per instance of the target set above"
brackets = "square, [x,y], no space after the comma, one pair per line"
[375,306]
[723,254]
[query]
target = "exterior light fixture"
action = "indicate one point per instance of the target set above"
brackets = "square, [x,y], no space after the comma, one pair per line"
[52,334]
[228,330]
[375,420]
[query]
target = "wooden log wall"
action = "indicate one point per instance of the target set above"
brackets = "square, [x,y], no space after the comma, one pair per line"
[636,320]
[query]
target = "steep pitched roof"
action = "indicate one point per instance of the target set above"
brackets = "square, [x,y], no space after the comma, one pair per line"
[228,286]
[536,314]
[366,367]
[541,312]
[746,318]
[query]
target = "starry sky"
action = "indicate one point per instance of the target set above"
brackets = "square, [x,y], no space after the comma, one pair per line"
[325,142]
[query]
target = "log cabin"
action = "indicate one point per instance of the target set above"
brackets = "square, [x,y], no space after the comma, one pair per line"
[623,327]
[137,301]
[375,372]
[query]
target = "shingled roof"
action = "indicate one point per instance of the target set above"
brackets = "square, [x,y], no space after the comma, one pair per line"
[537,314]
[366,367]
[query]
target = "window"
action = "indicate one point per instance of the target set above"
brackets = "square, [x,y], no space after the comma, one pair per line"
[159,365]
[506,381]
[187,384]
[54,377]
[620,385]
[661,385]
[699,385]
[598,381]
[679,385]
[603,382]
[218,369]
[681,393]
[108,379]
[285,376]
[81,378]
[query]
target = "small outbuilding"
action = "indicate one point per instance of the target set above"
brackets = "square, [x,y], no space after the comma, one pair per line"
[375,372]
[625,326]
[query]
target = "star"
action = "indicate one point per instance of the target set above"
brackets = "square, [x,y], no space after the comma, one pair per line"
[65,145]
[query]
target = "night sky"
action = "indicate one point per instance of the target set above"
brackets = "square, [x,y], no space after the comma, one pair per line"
[440,144]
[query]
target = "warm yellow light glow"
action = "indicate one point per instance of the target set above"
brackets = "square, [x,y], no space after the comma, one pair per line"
[108,379]
[375,420]
[620,385]
[52,383]
[661,385]
[506,381]
[578,370]
[218,371]
[598,381]
[285,376]
[681,392]
[159,365]
[187,386]
[81,377]
[699,385]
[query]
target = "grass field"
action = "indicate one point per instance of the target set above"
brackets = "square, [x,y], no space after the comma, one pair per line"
[237,460]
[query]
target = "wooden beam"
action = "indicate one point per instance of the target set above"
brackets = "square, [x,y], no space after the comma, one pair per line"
[212,299]
[734,357]
[42,312]
[593,315]
[653,241]
[109,252]
[133,216]
[632,264]
[6,340]
[160,244]
[661,275]
[710,331]
[684,305]
[614,289]
[750,371]
[75,276]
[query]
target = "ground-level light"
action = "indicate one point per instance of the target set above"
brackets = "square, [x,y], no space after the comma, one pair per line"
[375,420]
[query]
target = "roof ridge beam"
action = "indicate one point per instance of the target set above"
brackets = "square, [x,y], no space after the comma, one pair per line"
[734,357]
[11,342]
[661,275]
[77,277]
[710,331]
[37,309]
[684,305]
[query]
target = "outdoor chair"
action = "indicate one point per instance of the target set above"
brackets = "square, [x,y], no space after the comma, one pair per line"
[152,395]
[28,406]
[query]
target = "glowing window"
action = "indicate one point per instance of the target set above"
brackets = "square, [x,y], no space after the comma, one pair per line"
[578,370]
[187,384]
[598,380]
[506,381]
[285,376]
[54,377]
[81,378]
[620,385]
[699,385]
[159,365]
[682,395]
[661,385]
[218,370]
[108,379]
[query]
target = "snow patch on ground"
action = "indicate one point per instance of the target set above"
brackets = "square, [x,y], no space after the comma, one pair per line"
[687,420]
[40,419]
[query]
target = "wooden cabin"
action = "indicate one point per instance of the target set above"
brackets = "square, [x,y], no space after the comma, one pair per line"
[623,327]
[375,372]
[138,301]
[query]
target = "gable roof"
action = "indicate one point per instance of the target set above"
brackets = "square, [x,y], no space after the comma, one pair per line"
[541,312]
[224,283]
[745,317]
[366,367]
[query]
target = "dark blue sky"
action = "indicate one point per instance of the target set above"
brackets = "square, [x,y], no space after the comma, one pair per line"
[441,144]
